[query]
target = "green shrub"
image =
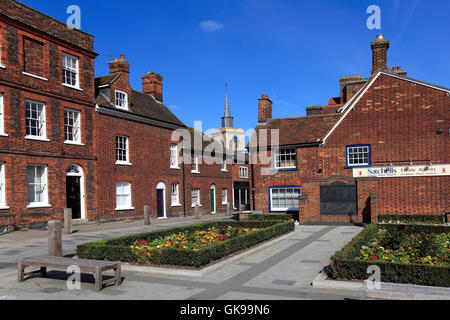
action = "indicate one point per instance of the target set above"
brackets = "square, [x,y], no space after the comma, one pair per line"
[270,217]
[343,265]
[412,218]
[119,249]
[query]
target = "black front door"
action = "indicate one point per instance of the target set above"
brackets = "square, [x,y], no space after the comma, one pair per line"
[160,203]
[74,196]
[338,199]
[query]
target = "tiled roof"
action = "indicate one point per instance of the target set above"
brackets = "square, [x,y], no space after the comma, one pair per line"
[145,106]
[300,130]
[106,80]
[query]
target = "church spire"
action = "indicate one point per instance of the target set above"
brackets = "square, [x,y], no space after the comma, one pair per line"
[227,119]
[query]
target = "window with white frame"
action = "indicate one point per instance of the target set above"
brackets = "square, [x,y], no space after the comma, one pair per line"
[243,172]
[224,196]
[121,100]
[284,199]
[195,195]
[35,119]
[175,194]
[72,128]
[174,156]
[195,164]
[122,152]
[285,158]
[37,185]
[358,156]
[123,195]
[70,70]
[2,115]
[2,185]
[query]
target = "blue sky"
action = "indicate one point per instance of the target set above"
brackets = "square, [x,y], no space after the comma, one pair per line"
[294,51]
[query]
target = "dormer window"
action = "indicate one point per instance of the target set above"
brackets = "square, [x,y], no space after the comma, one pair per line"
[121,100]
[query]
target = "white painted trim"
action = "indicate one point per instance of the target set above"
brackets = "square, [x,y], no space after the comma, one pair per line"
[122,163]
[34,76]
[72,87]
[39,205]
[73,143]
[124,209]
[2,66]
[34,138]
[414,81]
[350,106]
[82,189]
[162,186]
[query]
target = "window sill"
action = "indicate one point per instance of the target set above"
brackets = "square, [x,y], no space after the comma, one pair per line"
[4,208]
[39,205]
[74,143]
[2,66]
[34,76]
[175,168]
[37,138]
[124,164]
[243,177]
[195,172]
[195,205]
[4,134]
[122,108]
[72,87]
[356,167]
[224,170]
[125,209]
[176,205]
[286,169]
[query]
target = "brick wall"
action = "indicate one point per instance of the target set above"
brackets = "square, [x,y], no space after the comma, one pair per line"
[33,43]
[399,119]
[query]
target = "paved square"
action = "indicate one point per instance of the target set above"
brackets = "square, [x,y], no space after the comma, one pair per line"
[283,271]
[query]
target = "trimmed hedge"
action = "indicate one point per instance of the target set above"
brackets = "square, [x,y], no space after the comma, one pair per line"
[119,249]
[412,218]
[344,267]
[270,217]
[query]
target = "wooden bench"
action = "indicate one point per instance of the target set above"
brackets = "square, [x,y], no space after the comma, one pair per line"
[59,263]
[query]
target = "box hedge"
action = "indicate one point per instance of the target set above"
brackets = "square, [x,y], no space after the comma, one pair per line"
[412,218]
[344,267]
[119,249]
[270,217]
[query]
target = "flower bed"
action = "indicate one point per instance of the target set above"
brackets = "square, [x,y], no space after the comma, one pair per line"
[405,254]
[407,247]
[191,246]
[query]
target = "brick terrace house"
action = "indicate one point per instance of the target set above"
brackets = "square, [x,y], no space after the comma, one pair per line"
[47,104]
[383,146]
[140,160]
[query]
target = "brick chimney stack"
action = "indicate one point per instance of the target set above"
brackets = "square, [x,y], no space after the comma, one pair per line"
[379,48]
[152,83]
[264,109]
[120,66]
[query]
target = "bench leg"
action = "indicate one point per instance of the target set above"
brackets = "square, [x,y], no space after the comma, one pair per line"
[98,279]
[20,272]
[118,274]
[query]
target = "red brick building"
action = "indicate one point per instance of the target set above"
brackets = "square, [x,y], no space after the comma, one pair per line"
[47,107]
[141,161]
[382,147]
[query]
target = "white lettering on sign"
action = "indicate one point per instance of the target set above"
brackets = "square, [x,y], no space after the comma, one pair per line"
[403,171]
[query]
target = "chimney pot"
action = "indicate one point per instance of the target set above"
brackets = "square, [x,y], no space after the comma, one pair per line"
[264,109]
[379,50]
[122,57]
[152,83]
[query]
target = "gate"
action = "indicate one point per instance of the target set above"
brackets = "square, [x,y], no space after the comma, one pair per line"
[338,199]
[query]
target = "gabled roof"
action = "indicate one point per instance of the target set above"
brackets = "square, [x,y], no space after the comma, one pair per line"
[300,130]
[345,110]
